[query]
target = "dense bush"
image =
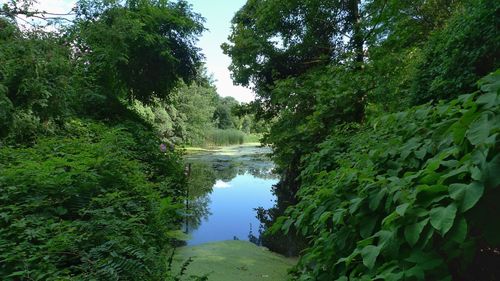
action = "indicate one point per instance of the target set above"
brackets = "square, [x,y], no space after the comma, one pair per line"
[86,190]
[97,203]
[411,195]
[466,49]
[36,82]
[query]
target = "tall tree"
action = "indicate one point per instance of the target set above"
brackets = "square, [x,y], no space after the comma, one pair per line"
[272,40]
[138,49]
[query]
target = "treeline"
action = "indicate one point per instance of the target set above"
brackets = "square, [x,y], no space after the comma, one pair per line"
[87,190]
[195,115]
[387,143]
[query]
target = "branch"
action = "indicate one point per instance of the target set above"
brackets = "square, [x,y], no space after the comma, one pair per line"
[43,15]
[376,22]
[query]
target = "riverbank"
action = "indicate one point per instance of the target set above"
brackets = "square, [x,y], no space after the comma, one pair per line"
[233,260]
[198,149]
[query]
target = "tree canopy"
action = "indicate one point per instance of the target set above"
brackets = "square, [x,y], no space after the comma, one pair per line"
[332,76]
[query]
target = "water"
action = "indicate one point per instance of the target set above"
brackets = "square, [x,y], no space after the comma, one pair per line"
[225,187]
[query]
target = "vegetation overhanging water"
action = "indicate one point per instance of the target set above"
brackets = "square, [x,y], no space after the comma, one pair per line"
[225,186]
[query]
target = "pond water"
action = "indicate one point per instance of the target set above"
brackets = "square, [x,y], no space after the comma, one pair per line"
[225,187]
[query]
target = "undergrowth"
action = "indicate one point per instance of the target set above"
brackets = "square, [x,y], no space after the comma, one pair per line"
[408,196]
[97,202]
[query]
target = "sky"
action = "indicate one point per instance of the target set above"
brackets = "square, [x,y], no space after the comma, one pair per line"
[218,15]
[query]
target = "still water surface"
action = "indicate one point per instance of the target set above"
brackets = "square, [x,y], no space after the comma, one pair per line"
[225,187]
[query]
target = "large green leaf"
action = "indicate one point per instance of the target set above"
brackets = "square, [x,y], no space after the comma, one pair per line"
[489,100]
[491,83]
[366,228]
[479,130]
[442,218]
[376,199]
[413,231]
[491,173]
[466,195]
[459,231]
[401,209]
[459,129]
[370,254]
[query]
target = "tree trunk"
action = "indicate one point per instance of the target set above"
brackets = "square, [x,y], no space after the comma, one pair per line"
[358,44]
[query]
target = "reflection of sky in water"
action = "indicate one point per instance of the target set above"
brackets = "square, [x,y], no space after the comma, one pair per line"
[232,209]
[225,188]
[221,184]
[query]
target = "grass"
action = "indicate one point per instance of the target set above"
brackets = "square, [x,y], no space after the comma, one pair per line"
[215,138]
[253,138]
[234,260]
[218,137]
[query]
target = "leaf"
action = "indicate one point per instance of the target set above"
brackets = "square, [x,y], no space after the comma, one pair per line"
[491,172]
[442,218]
[427,195]
[366,228]
[401,209]
[466,195]
[488,100]
[490,83]
[322,219]
[277,225]
[476,173]
[421,152]
[178,235]
[390,218]
[18,273]
[286,225]
[479,130]
[376,200]
[370,254]
[459,231]
[355,204]
[338,216]
[426,260]
[459,129]
[417,272]
[413,231]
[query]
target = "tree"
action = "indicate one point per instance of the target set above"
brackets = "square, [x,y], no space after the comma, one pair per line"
[272,40]
[196,104]
[318,65]
[37,81]
[455,58]
[138,49]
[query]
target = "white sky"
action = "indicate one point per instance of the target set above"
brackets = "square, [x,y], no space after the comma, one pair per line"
[218,14]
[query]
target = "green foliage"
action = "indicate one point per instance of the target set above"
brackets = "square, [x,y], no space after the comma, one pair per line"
[407,196]
[36,77]
[252,138]
[196,105]
[92,199]
[272,40]
[222,117]
[95,203]
[377,195]
[455,57]
[182,120]
[138,49]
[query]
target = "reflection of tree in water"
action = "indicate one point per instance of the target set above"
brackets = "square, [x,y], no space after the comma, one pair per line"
[225,170]
[208,168]
[201,180]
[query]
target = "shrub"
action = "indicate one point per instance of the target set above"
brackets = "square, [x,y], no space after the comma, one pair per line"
[88,205]
[455,57]
[411,195]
